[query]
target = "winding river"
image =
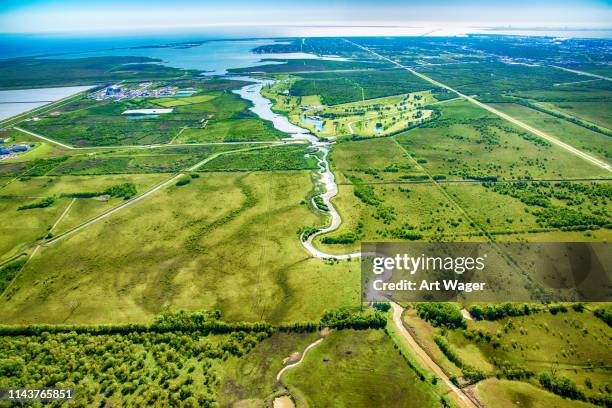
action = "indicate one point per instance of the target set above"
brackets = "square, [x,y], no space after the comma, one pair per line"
[262,107]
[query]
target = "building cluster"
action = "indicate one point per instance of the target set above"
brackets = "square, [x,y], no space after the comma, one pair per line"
[7,151]
[143,90]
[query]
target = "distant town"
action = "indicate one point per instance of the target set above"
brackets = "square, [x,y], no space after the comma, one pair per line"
[120,92]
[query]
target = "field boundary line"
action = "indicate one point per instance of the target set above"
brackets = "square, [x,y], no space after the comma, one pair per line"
[152,146]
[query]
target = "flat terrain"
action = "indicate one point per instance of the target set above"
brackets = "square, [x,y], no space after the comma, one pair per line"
[346,359]
[115,219]
[171,244]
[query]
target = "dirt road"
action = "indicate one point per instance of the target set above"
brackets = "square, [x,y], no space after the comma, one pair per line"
[426,360]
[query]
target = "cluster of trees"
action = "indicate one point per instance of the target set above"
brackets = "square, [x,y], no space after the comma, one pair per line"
[123,190]
[140,368]
[566,388]
[470,373]
[318,201]
[441,315]
[45,202]
[366,194]
[605,314]
[344,238]
[499,311]
[354,319]
[183,180]
[568,219]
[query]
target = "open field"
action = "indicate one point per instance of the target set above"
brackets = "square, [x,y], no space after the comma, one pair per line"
[469,142]
[568,344]
[508,394]
[579,137]
[209,115]
[251,379]
[345,359]
[337,88]
[21,228]
[170,256]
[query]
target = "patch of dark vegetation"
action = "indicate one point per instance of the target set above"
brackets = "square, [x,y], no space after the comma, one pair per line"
[441,315]
[338,88]
[289,157]
[44,203]
[9,271]
[123,190]
[41,72]
[341,239]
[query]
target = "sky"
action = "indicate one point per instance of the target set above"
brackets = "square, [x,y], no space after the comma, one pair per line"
[291,17]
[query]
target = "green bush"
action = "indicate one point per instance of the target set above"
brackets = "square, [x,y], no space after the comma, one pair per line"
[441,315]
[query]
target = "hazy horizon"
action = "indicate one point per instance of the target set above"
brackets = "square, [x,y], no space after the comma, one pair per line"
[274,18]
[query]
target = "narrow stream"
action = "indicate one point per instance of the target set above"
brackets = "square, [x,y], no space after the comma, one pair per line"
[262,107]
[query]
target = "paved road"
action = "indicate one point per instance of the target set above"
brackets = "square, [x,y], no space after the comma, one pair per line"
[551,139]
[431,365]
[589,74]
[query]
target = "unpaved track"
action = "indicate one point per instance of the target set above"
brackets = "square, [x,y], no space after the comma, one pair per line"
[289,366]
[539,133]
[150,146]
[144,195]
[427,361]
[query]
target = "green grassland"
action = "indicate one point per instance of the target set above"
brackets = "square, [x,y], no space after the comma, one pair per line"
[41,72]
[507,208]
[20,229]
[401,188]
[571,344]
[372,160]
[251,379]
[389,212]
[364,118]
[576,136]
[359,368]
[595,112]
[225,240]
[167,159]
[337,88]
[205,117]
[510,394]
[469,143]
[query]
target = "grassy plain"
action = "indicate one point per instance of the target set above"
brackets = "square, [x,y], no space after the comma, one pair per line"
[360,368]
[207,116]
[567,344]
[577,136]
[251,379]
[226,241]
[20,229]
[510,394]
